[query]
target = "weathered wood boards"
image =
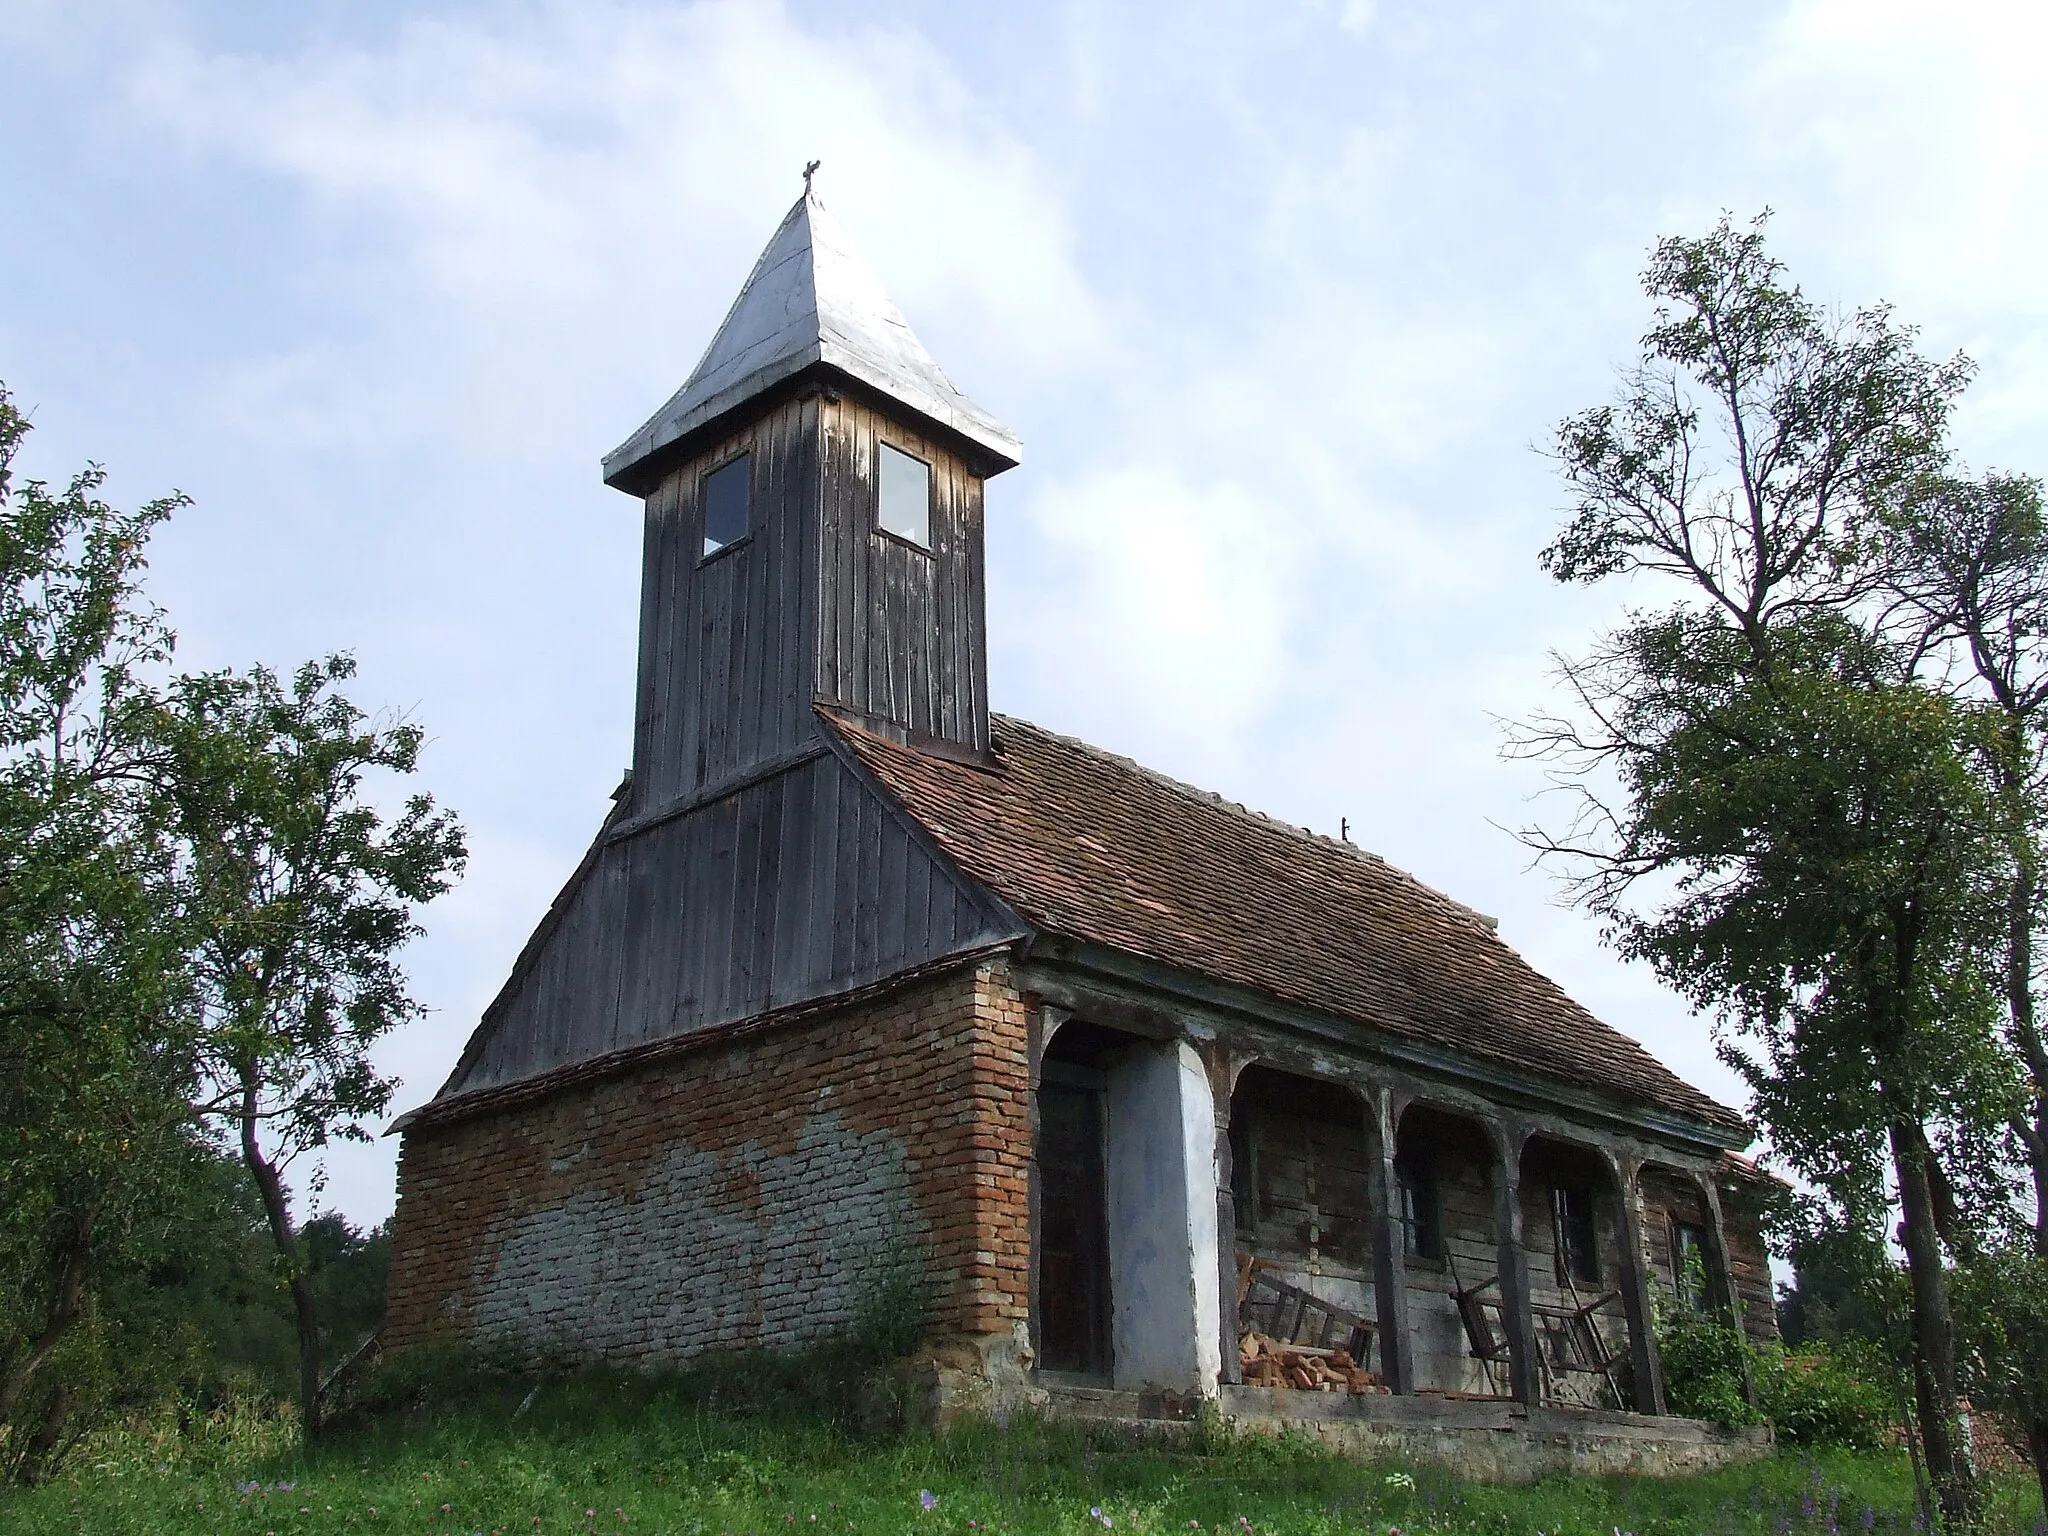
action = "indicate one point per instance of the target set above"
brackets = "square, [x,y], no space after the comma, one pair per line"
[745,868]
[792,888]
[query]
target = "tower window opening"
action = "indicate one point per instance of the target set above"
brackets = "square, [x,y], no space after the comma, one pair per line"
[906,497]
[727,490]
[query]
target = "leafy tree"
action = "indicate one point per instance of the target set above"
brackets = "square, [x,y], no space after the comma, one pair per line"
[200,916]
[1968,565]
[1846,1288]
[95,1043]
[177,1313]
[349,1268]
[304,896]
[1777,808]
[2002,1304]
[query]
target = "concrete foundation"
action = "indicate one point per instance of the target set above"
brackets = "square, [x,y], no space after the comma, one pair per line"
[1495,1442]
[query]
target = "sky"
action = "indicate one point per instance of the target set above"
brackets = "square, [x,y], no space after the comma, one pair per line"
[1284,299]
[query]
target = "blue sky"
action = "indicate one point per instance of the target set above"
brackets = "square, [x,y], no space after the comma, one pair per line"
[1282,298]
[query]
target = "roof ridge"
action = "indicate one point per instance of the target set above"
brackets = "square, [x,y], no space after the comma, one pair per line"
[1250,813]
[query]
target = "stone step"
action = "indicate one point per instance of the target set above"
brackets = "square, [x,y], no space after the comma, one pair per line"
[1075,1401]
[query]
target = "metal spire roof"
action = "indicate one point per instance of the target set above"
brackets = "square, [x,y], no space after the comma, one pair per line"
[811,299]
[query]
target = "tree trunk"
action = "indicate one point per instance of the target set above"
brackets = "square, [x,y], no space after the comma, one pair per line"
[67,1305]
[36,1459]
[1934,1345]
[2037,1447]
[2019,1004]
[270,1185]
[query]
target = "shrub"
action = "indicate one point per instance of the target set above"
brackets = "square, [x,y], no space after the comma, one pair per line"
[889,1319]
[2001,1307]
[1704,1364]
[1818,1396]
[1823,1396]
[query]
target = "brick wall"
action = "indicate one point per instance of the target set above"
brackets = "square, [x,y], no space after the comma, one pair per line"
[744,1191]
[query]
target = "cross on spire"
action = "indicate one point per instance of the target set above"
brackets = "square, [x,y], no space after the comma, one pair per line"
[809,170]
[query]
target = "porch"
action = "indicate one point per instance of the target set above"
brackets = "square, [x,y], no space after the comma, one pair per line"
[1348,1248]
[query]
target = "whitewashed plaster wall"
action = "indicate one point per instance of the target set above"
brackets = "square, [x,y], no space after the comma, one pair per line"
[1163,1285]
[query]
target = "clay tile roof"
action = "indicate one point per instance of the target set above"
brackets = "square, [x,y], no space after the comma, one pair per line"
[1092,846]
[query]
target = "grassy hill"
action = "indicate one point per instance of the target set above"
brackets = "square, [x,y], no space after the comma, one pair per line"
[737,1452]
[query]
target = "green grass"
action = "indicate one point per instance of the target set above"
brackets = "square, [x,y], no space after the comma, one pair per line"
[627,1455]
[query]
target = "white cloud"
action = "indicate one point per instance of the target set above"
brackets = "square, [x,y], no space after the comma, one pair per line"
[1356,15]
[582,189]
[1176,589]
[1919,137]
[1278,298]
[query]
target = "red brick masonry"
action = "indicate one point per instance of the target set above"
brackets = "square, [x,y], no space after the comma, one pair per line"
[740,1191]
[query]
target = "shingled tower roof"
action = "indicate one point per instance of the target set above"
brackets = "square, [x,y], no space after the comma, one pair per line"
[811,301]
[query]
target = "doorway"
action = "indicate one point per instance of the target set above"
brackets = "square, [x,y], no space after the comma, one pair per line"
[1073,1225]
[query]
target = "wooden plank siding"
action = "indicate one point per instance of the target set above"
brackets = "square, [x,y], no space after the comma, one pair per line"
[1668,1199]
[901,632]
[1304,1213]
[815,604]
[1443,1357]
[746,869]
[729,911]
[724,680]
[1306,1169]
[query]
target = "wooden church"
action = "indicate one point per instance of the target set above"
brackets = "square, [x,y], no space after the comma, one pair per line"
[1159,1100]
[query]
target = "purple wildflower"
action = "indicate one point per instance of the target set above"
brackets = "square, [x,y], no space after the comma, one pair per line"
[927,1500]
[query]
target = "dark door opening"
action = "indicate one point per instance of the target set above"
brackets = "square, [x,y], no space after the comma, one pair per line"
[1073,1227]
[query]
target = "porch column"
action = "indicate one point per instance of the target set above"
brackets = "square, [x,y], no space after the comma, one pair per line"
[1516,1319]
[1721,1271]
[1389,1241]
[1644,1365]
[1164,1312]
[1224,1065]
[1044,1022]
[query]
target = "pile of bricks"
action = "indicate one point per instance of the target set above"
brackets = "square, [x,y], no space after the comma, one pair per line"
[1265,1362]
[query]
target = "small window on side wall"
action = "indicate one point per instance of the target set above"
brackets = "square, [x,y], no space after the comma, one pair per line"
[727,491]
[906,497]
[1421,1212]
[1689,1265]
[1572,1227]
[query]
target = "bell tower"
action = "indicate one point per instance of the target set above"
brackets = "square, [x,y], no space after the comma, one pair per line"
[813,500]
